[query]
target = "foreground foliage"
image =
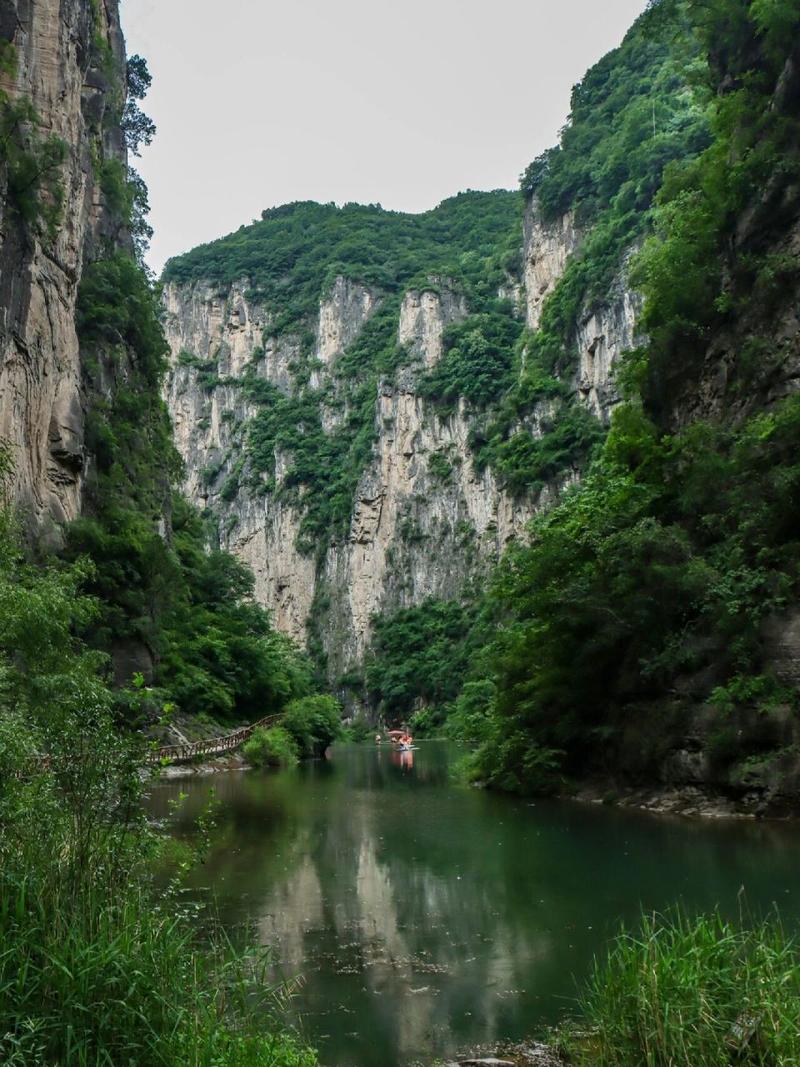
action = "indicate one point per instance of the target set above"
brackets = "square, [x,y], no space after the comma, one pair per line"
[95,967]
[690,991]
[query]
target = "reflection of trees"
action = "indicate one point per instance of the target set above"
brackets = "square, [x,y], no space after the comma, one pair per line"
[374,882]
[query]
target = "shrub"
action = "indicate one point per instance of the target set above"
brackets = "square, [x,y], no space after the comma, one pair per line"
[420,655]
[358,730]
[314,722]
[271,748]
[30,161]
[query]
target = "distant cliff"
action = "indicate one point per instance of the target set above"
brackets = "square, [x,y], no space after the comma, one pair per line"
[423,518]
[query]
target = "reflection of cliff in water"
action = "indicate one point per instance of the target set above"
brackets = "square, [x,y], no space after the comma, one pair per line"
[426,917]
[385,919]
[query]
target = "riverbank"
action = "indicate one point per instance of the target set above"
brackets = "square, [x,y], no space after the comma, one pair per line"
[688,801]
[525,1054]
[684,801]
[204,767]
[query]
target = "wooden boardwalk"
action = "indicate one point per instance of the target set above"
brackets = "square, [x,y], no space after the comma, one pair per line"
[211,746]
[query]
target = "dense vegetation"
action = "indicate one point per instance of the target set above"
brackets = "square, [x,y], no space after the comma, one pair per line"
[657,575]
[663,565]
[96,967]
[418,661]
[292,256]
[184,614]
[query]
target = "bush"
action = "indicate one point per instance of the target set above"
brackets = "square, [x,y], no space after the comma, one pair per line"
[271,748]
[470,718]
[687,992]
[420,655]
[428,722]
[314,722]
[358,730]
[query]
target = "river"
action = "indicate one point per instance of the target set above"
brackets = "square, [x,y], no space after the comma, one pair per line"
[426,917]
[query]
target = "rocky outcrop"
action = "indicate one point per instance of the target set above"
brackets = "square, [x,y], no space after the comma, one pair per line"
[420,528]
[423,318]
[342,315]
[601,337]
[65,76]
[603,331]
[547,247]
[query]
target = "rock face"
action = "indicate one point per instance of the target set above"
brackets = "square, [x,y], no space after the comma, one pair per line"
[424,520]
[62,73]
[414,533]
[602,333]
[547,249]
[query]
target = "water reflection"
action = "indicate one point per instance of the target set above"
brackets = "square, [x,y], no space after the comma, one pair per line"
[426,917]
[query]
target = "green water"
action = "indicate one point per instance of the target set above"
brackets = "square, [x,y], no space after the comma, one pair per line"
[427,917]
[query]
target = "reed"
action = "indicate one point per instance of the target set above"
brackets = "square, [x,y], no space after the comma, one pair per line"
[695,992]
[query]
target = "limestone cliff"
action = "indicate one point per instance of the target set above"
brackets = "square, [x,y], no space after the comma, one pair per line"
[59,100]
[601,332]
[425,518]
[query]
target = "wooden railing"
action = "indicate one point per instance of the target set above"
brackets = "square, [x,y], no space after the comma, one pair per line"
[211,746]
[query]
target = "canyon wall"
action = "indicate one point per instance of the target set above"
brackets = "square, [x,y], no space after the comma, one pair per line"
[425,521]
[60,102]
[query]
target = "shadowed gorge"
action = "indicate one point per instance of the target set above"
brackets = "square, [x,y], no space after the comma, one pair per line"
[518,474]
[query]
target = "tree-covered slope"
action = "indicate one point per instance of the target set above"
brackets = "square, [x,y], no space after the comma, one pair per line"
[291,257]
[652,609]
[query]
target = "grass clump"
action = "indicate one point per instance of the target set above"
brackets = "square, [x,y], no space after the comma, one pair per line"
[271,748]
[695,992]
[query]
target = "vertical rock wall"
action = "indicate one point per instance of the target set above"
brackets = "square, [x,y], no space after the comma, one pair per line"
[59,71]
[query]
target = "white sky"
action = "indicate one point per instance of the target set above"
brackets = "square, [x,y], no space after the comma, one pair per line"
[403,104]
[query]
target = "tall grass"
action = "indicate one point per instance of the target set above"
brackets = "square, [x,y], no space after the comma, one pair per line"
[695,992]
[99,970]
[123,983]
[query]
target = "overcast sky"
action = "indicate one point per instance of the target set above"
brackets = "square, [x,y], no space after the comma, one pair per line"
[402,104]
